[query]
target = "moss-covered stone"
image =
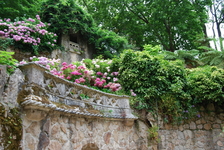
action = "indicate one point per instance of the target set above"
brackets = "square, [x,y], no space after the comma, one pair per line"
[11,124]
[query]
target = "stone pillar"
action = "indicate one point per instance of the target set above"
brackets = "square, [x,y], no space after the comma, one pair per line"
[33,73]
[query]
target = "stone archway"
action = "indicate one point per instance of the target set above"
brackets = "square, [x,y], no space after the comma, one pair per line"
[90,146]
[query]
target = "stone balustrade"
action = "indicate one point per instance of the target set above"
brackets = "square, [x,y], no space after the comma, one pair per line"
[48,92]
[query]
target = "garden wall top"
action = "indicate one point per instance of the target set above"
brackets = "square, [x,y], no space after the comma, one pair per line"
[45,91]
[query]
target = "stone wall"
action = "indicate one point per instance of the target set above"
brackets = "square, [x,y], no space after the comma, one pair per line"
[204,133]
[54,119]
[58,131]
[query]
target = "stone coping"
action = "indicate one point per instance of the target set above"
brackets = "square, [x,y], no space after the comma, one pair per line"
[42,68]
[34,105]
[67,93]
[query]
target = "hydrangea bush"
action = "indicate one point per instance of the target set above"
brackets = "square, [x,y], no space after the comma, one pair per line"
[94,73]
[28,34]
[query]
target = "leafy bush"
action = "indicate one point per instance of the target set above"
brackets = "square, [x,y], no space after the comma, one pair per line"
[157,84]
[109,43]
[213,58]
[28,34]
[5,43]
[167,87]
[150,77]
[6,59]
[66,16]
[205,84]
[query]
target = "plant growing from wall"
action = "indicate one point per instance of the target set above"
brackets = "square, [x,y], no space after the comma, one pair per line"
[83,96]
[5,43]
[153,134]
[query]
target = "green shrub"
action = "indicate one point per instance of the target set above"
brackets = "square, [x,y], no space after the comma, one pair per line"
[6,59]
[151,77]
[205,84]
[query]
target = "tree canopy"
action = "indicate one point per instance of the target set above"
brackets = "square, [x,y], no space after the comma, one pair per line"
[18,8]
[174,24]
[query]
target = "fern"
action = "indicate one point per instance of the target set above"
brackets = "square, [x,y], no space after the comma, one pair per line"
[190,58]
[213,58]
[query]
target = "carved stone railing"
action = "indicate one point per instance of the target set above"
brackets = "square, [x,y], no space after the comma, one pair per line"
[45,91]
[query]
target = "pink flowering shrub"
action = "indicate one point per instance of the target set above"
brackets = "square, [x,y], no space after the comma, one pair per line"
[104,78]
[87,72]
[28,34]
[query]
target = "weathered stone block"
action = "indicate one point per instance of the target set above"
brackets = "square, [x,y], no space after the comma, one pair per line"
[207,126]
[192,125]
[33,73]
[14,86]
[35,115]
[3,77]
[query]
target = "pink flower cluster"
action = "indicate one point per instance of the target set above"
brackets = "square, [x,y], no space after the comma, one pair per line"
[79,73]
[48,63]
[29,31]
[113,86]
[132,93]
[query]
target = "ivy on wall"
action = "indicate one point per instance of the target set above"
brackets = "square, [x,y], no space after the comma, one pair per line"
[68,17]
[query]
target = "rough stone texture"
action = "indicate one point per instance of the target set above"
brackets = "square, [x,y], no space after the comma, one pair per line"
[3,78]
[13,87]
[70,133]
[199,134]
[1,144]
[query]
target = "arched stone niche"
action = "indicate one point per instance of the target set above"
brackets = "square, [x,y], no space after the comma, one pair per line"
[90,146]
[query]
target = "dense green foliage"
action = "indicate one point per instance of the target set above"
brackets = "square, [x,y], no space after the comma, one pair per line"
[18,8]
[190,58]
[167,86]
[6,59]
[213,58]
[151,77]
[205,84]
[68,17]
[108,43]
[170,23]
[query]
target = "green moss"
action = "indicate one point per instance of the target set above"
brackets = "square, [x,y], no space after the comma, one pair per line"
[11,124]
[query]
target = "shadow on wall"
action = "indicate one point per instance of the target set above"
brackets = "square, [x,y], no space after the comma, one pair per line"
[90,146]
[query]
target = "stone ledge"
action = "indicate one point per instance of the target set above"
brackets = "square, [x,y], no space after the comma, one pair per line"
[57,90]
[38,106]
